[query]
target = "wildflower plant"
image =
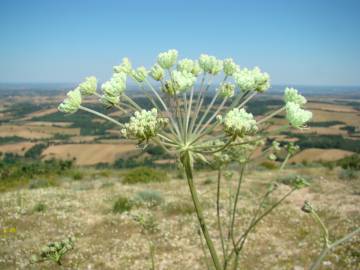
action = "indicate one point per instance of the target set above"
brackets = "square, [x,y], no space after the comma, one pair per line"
[192,130]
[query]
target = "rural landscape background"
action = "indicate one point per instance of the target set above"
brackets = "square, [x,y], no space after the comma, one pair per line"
[75,177]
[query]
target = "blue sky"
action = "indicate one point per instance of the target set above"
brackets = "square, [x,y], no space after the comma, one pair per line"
[310,42]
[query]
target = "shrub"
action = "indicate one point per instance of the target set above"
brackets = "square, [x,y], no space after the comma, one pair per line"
[292,179]
[35,151]
[152,198]
[121,205]
[349,174]
[351,162]
[39,207]
[77,175]
[145,175]
[179,208]
[42,183]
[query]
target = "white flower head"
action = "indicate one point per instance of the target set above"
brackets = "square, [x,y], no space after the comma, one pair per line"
[72,102]
[140,74]
[88,87]
[210,64]
[157,72]
[144,125]
[296,116]
[116,85]
[252,80]
[227,90]
[125,66]
[230,67]
[109,101]
[167,59]
[183,80]
[292,95]
[238,122]
[189,65]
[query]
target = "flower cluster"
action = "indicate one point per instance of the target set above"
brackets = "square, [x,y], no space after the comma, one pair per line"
[230,68]
[210,64]
[226,90]
[189,66]
[252,80]
[113,89]
[238,122]
[88,87]
[157,72]
[143,125]
[296,116]
[292,95]
[167,59]
[139,74]
[124,67]
[72,102]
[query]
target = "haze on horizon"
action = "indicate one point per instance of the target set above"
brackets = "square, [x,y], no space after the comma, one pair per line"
[296,42]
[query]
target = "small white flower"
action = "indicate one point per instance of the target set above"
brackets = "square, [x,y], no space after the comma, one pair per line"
[110,101]
[252,80]
[210,64]
[292,95]
[72,102]
[88,87]
[238,122]
[140,74]
[157,73]
[230,67]
[125,66]
[167,59]
[296,116]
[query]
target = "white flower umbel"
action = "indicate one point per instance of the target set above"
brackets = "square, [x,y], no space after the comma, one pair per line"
[140,74]
[238,122]
[72,102]
[296,116]
[143,125]
[292,95]
[88,87]
[252,80]
[189,66]
[115,86]
[125,66]
[167,59]
[210,64]
[109,101]
[226,90]
[230,67]
[157,72]
[183,80]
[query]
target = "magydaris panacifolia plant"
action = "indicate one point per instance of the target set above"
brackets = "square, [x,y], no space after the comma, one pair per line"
[54,251]
[190,128]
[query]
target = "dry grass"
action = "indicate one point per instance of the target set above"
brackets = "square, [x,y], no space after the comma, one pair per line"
[285,240]
[315,154]
[16,148]
[89,154]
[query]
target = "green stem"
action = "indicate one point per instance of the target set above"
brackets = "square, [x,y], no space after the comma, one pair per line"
[285,161]
[189,174]
[218,212]
[100,115]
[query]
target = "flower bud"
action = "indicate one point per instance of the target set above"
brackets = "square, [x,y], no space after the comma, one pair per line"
[210,64]
[238,122]
[296,116]
[157,73]
[116,86]
[230,67]
[252,80]
[88,87]
[140,74]
[167,59]
[72,102]
[124,67]
[292,95]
